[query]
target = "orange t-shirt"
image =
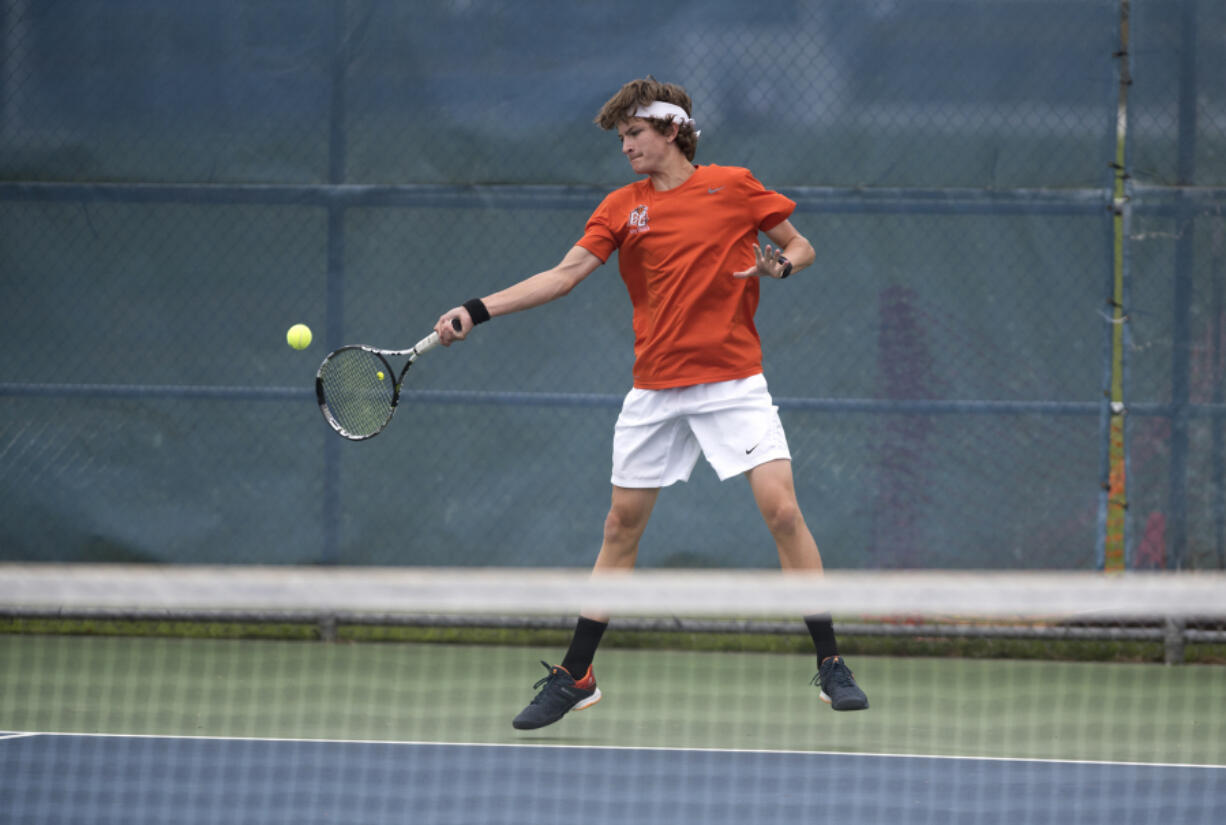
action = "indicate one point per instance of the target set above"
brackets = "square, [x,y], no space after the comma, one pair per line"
[677,250]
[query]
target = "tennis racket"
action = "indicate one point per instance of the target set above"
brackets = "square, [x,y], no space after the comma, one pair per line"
[357,389]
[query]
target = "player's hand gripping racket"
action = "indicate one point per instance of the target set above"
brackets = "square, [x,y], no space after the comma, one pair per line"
[358,391]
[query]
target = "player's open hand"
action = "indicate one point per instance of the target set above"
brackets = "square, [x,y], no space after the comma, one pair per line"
[768,263]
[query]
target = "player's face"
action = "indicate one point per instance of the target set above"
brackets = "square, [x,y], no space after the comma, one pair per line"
[645,148]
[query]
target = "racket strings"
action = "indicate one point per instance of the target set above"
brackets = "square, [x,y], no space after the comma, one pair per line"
[358,391]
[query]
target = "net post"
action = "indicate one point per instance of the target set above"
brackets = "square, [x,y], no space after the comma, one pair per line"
[1173,640]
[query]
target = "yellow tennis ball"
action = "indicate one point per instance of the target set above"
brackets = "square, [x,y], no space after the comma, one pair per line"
[299,336]
[380,374]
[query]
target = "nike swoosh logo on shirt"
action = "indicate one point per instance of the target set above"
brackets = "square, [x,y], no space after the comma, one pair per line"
[712,190]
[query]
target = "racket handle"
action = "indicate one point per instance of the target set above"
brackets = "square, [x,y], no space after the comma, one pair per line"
[426,344]
[431,341]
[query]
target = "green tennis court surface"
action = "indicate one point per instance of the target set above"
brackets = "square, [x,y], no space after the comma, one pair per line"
[653,699]
[144,731]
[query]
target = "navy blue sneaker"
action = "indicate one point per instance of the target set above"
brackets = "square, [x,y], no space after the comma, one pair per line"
[839,688]
[560,694]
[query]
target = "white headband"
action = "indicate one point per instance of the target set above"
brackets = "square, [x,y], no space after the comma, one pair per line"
[666,111]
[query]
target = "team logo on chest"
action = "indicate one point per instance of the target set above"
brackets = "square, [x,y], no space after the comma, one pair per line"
[638,219]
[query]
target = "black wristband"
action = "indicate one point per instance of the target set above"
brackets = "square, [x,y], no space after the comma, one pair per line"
[477,311]
[787,266]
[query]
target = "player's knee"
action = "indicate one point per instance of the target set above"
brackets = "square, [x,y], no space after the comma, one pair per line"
[783,517]
[623,525]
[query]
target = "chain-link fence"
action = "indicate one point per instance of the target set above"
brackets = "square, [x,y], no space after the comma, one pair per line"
[994,188]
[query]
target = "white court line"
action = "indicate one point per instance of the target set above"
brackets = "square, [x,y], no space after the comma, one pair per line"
[18,735]
[561,746]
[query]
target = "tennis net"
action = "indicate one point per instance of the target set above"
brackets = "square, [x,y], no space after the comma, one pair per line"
[143,694]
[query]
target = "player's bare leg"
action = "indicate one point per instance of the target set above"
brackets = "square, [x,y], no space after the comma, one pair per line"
[629,510]
[572,685]
[775,493]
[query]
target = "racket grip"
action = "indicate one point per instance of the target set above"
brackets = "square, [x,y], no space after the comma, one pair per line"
[426,344]
[431,341]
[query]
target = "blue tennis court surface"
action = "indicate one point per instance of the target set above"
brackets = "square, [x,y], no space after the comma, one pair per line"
[136,780]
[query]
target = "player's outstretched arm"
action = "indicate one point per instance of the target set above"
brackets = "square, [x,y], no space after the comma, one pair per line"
[533,291]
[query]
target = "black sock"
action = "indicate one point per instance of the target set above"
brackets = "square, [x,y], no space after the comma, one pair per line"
[821,628]
[583,646]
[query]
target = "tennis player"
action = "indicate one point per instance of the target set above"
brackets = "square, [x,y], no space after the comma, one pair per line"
[687,242]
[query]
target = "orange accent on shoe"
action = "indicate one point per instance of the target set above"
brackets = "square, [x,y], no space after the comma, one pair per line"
[588,681]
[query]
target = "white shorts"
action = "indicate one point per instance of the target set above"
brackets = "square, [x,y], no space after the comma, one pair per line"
[660,433]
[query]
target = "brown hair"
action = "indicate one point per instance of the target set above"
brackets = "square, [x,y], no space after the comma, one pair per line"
[642,92]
